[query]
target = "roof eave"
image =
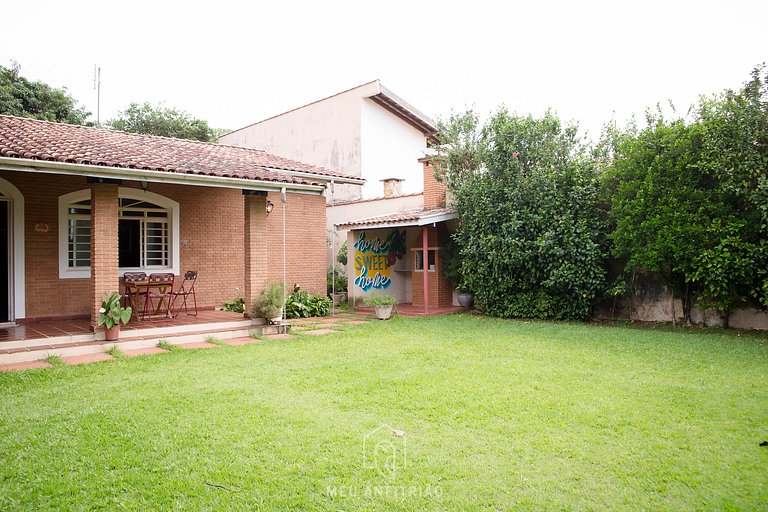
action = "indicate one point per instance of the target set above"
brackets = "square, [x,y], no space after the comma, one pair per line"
[98,171]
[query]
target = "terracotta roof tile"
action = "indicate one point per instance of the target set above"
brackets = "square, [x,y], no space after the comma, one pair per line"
[398,218]
[57,142]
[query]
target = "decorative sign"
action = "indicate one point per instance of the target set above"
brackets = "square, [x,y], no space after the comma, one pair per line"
[41,226]
[375,257]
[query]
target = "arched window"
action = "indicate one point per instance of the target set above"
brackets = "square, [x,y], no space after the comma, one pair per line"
[148,233]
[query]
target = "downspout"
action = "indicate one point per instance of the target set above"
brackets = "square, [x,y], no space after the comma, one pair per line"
[425,267]
[283,199]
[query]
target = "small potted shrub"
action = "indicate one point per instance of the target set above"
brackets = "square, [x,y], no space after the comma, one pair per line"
[111,314]
[269,304]
[382,302]
[337,286]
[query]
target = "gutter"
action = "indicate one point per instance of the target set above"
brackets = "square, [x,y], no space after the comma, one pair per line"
[99,171]
[322,177]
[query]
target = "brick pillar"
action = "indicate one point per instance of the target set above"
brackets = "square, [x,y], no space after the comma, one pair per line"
[104,271]
[255,247]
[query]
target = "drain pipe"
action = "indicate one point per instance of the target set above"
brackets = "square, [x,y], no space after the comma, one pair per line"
[283,199]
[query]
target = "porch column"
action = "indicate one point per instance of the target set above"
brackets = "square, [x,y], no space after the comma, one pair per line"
[104,246]
[425,265]
[255,246]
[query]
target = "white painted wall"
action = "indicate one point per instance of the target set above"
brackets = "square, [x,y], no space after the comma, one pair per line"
[336,214]
[391,148]
[324,133]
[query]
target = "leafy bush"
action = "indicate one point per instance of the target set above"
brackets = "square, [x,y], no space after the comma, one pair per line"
[269,303]
[530,233]
[340,280]
[379,300]
[341,256]
[300,304]
[234,306]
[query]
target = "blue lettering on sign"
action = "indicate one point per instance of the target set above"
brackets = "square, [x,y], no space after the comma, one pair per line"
[376,246]
[378,281]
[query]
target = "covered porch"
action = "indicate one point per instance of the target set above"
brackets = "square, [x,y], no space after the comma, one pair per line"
[80,207]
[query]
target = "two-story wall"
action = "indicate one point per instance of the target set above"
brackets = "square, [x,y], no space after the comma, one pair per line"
[367,132]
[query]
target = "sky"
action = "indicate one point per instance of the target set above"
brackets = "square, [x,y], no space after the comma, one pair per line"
[235,63]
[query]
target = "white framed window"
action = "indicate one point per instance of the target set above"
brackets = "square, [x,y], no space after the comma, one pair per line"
[148,233]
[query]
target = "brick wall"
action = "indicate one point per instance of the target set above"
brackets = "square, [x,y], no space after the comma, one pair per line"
[434,191]
[211,235]
[305,241]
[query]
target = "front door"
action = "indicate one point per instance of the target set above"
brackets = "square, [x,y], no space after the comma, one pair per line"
[5,263]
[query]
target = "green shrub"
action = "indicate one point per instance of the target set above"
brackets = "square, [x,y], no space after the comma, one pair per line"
[340,280]
[234,306]
[300,304]
[379,300]
[269,303]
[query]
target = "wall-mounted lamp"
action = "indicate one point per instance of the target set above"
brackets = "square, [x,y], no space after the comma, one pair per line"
[270,206]
[144,185]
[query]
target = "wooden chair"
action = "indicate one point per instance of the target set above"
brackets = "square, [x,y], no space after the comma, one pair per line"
[186,290]
[132,292]
[159,290]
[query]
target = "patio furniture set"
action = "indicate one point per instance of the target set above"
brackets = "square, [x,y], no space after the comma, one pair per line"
[154,295]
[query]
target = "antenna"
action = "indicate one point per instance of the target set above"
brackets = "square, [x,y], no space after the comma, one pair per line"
[97,86]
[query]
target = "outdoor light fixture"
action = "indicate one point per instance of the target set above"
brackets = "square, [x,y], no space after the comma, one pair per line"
[270,206]
[144,185]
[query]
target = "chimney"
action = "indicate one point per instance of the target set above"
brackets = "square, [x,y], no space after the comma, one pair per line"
[434,191]
[393,187]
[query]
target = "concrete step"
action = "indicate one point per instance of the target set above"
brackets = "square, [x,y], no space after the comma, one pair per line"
[146,338]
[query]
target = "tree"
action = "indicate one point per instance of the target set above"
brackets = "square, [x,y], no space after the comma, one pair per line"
[24,98]
[530,232]
[166,122]
[685,200]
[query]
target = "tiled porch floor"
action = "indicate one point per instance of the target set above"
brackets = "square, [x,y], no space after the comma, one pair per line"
[56,328]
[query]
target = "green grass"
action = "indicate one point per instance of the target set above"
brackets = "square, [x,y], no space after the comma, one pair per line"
[498,415]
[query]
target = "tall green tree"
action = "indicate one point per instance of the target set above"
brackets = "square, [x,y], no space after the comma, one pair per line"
[530,232]
[686,200]
[159,120]
[25,98]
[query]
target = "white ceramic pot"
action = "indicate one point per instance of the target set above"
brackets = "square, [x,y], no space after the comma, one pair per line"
[383,312]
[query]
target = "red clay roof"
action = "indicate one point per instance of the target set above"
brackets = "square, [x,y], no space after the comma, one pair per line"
[398,218]
[58,142]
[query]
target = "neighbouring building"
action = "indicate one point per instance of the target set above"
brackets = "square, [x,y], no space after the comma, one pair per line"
[80,206]
[401,252]
[367,132]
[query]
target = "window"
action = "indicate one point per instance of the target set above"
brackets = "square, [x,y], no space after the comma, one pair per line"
[418,260]
[148,233]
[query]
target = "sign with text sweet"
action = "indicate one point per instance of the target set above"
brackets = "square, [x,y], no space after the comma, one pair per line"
[374,258]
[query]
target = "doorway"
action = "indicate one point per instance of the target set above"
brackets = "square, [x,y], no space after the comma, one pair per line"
[6,270]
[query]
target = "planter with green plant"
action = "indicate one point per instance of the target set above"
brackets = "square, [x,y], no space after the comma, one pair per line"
[111,314]
[382,303]
[269,304]
[337,285]
[451,265]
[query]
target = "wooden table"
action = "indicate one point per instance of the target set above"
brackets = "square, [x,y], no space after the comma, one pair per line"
[137,289]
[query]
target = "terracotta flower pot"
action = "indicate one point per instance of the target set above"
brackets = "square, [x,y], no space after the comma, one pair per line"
[112,334]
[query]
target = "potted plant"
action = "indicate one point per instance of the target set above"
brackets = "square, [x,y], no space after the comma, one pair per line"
[451,265]
[382,302]
[111,314]
[269,304]
[337,285]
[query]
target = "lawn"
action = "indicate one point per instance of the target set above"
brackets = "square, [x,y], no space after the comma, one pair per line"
[496,415]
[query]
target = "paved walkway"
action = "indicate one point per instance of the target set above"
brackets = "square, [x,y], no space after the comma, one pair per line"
[316,326]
